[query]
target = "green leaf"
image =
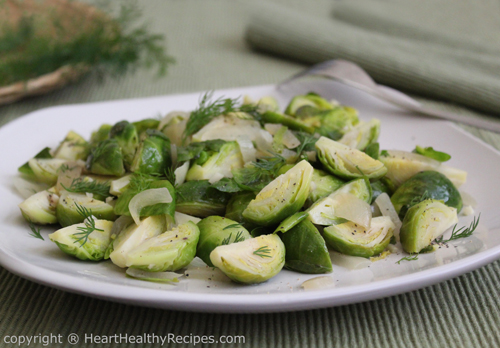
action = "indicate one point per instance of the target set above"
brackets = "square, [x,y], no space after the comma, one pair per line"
[431,153]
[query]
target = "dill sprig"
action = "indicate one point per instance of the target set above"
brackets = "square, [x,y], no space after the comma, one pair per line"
[35,231]
[94,187]
[231,226]
[412,257]
[141,182]
[307,142]
[170,175]
[29,48]
[263,251]
[89,225]
[462,232]
[270,164]
[239,238]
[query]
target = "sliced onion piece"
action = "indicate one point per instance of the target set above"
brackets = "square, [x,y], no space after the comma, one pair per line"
[351,208]
[160,277]
[386,207]
[120,224]
[216,177]
[171,115]
[247,149]
[180,173]
[349,262]
[147,198]
[318,283]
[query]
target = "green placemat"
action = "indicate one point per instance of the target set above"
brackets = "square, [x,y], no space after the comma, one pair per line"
[206,39]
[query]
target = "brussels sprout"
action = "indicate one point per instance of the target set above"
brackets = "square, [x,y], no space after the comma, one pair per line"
[200,199]
[332,123]
[100,135]
[169,251]
[322,184]
[290,122]
[360,188]
[215,231]
[351,239]
[217,164]
[291,221]
[306,250]
[311,99]
[106,159]
[362,135]
[123,201]
[118,186]
[153,154]
[403,165]
[46,170]
[67,209]
[40,208]
[126,135]
[373,150]
[236,205]
[282,197]
[346,162]
[425,185]
[69,240]
[73,147]
[252,261]
[26,170]
[146,124]
[424,222]
[132,236]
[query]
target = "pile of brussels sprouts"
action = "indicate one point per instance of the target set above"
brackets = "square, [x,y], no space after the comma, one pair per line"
[244,187]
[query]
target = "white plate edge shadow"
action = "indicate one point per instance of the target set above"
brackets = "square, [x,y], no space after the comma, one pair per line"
[244,303]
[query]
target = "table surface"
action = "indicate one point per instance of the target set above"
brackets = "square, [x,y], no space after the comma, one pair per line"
[206,38]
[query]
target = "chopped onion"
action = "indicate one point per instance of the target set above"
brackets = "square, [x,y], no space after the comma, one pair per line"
[318,283]
[181,218]
[386,207]
[180,173]
[28,188]
[161,277]
[272,127]
[247,149]
[147,198]
[290,140]
[349,262]
[171,115]
[351,208]
[467,210]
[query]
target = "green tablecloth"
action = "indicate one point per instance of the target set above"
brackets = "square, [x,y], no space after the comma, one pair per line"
[206,38]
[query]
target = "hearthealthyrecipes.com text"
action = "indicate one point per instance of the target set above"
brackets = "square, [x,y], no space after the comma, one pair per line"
[45,340]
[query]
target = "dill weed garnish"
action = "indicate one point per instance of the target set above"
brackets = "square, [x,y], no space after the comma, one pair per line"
[39,37]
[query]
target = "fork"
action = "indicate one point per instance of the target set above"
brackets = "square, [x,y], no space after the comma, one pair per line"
[353,75]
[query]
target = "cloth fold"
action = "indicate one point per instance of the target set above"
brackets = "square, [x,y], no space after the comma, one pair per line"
[411,54]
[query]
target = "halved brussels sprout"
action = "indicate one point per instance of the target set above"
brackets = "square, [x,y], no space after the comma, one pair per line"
[146,124]
[67,210]
[348,163]
[252,261]
[424,222]
[425,185]
[25,168]
[100,135]
[126,135]
[106,159]
[306,250]
[91,247]
[311,99]
[132,236]
[282,197]
[199,198]
[362,135]
[322,184]
[73,147]
[351,239]
[343,206]
[46,170]
[332,123]
[153,154]
[169,251]
[233,126]
[217,165]
[403,165]
[215,231]
[40,208]
[360,188]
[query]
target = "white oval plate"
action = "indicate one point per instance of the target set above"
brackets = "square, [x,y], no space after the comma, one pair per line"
[208,290]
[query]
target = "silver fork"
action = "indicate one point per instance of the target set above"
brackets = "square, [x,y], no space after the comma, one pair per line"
[353,75]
